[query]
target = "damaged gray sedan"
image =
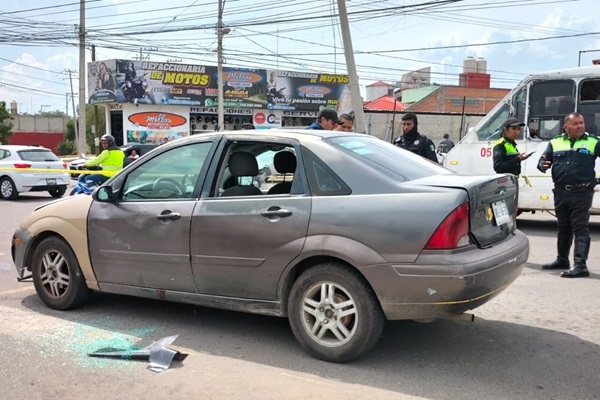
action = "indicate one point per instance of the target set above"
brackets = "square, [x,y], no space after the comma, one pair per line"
[348,231]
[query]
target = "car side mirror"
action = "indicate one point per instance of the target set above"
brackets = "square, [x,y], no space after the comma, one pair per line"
[104,194]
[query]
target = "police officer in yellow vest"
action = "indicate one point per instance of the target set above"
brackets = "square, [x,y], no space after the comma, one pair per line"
[572,157]
[507,159]
[111,161]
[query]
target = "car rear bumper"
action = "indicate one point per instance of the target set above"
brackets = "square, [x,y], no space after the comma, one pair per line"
[27,182]
[20,244]
[443,284]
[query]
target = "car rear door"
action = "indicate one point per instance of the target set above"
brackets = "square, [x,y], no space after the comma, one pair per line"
[143,239]
[241,245]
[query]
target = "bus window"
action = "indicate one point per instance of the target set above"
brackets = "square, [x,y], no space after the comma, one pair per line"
[490,130]
[519,102]
[550,102]
[589,104]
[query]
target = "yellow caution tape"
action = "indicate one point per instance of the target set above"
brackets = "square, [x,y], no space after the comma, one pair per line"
[61,171]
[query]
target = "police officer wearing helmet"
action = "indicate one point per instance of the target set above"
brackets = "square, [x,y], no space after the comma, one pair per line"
[111,161]
[507,159]
[572,157]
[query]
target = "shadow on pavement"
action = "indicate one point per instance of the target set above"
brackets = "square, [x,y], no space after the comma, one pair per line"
[441,360]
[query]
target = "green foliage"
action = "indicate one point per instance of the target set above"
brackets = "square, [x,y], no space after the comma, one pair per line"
[66,147]
[5,124]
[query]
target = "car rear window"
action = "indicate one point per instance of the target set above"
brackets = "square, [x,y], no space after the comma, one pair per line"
[397,163]
[37,155]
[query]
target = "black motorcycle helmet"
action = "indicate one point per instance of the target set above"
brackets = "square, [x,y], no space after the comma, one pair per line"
[109,139]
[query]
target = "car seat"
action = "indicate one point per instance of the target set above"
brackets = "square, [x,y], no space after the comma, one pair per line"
[285,163]
[242,164]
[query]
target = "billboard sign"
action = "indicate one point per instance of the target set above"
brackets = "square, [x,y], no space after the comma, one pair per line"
[145,82]
[151,124]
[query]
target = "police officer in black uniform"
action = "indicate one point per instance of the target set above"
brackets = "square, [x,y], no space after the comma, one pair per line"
[413,141]
[507,159]
[572,157]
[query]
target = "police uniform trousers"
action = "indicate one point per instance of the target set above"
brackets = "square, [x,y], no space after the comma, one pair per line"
[572,209]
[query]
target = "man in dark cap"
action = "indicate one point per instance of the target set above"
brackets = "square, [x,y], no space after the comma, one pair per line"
[507,159]
[327,120]
[413,141]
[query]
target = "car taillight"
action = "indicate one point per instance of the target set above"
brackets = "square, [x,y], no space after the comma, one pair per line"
[453,232]
[22,165]
[64,165]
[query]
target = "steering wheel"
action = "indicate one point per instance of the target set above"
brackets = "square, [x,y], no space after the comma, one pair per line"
[167,182]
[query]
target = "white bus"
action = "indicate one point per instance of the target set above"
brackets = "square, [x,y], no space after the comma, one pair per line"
[541,101]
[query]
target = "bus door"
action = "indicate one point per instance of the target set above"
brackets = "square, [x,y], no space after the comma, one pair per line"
[549,102]
[589,107]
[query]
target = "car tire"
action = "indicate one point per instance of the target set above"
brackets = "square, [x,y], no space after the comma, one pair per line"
[8,191]
[334,313]
[61,286]
[58,192]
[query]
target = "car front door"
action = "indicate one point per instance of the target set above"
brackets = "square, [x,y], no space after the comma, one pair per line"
[241,244]
[143,239]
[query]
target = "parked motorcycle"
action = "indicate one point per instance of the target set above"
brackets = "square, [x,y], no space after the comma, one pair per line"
[136,89]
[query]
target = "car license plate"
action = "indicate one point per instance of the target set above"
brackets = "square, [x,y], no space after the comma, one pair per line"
[50,181]
[501,212]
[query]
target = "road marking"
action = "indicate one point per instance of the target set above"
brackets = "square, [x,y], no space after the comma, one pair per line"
[14,291]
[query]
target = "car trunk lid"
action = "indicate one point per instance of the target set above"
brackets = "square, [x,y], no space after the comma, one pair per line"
[493,203]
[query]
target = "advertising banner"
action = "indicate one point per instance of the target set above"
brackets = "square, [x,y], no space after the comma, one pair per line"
[288,90]
[147,124]
[101,82]
[267,119]
[146,82]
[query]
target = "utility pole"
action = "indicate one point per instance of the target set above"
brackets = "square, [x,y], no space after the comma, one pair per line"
[67,103]
[81,143]
[96,133]
[220,98]
[74,113]
[359,114]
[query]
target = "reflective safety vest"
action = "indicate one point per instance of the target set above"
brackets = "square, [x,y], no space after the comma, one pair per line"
[574,161]
[506,157]
[111,162]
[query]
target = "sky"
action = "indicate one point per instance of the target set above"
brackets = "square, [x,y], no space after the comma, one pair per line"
[39,41]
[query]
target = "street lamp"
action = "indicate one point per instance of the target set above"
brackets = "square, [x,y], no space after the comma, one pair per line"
[584,51]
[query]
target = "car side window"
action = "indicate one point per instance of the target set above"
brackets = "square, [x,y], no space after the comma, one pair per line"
[3,154]
[171,175]
[321,179]
[256,169]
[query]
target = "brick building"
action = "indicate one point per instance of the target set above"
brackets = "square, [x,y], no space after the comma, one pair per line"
[450,99]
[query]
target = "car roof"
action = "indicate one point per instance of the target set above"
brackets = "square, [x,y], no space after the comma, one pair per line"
[17,147]
[301,134]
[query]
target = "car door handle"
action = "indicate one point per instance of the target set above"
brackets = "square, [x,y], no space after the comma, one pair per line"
[168,216]
[276,212]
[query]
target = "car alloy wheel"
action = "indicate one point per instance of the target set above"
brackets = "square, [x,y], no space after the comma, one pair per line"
[7,189]
[57,278]
[334,313]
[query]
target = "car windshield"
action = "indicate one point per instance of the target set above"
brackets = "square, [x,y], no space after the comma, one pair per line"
[386,158]
[37,155]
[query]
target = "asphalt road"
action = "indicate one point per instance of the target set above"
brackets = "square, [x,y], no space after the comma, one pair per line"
[538,340]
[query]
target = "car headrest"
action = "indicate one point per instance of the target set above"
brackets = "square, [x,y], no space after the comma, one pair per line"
[242,163]
[285,162]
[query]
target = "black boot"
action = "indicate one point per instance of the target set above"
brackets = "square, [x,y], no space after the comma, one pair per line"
[563,247]
[582,249]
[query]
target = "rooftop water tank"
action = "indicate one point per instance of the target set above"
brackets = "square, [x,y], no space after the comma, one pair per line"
[469,65]
[481,65]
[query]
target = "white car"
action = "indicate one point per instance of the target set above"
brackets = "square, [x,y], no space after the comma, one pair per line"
[23,169]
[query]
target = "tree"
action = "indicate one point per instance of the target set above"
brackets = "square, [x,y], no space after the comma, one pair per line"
[67,146]
[5,124]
